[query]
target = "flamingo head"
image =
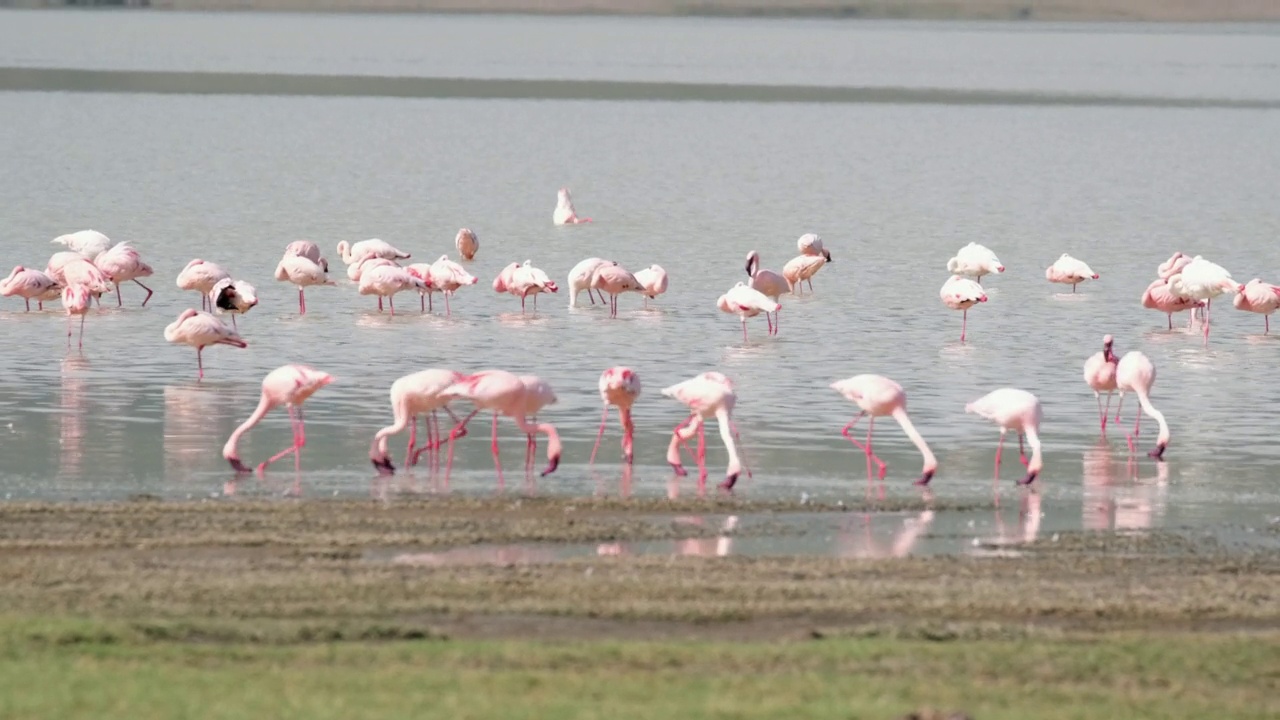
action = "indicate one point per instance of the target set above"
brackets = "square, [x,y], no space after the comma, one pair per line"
[1107,342]
[753,262]
[826,254]
[562,197]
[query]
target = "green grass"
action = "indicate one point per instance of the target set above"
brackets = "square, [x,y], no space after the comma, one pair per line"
[83,669]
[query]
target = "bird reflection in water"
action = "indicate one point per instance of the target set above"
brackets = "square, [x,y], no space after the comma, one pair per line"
[494,555]
[1027,529]
[73,404]
[719,546]
[1121,501]
[858,538]
[625,483]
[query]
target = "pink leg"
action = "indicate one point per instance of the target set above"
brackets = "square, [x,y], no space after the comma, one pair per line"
[69,330]
[302,302]
[744,329]
[433,438]
[777,321]
[599,434]
[742,449]
[200,361]
[149,292]
[964,325]
[119,300]
[769,319]
[494,446]
[410,458]
[702,457]
[299,439]
[999,450]
[1207,305]
[1170,321]
[591,296]
[810,281]
[1022,451]
[680,441]
[522,304]
[82,332]
[422,302]
[458,431]
[1133,439]
[391,301]
[1267,319]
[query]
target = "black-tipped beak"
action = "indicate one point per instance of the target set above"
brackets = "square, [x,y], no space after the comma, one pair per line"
[925,478]
[551,466]
[629,458]
[679,469]
[384,466]
[238,466]
[827,254]
[1158,453]
[729,482]
[1030,478]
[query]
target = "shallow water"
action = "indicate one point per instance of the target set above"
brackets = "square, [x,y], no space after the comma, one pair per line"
[893,189]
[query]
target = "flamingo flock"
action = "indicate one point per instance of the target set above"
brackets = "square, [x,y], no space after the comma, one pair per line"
[92,265]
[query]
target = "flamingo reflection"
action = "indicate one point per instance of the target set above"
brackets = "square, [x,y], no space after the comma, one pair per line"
[73,404]
[719,546]
[895,537]
[1121,501]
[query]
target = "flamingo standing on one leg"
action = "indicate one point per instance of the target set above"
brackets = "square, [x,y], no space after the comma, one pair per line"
[201,276]
[448,277]
[421,393]
[1136,373]
[288,385]
[1016,410]
[959,293]
[76,299]
[619,386]
[233,296]
[122,264]
[878,396]
[1159,296]
[29,284]
[565,214]
[974,260]
[1100,374]
[580,279]
[1067,270]
[303,272]
[745,302]
[89,243]
[1259,297]
[467,243]
[708,395]
[308,250]
[1203,280]
[503,393]
[200,330]
[653,282]
[613,280]
[770,284]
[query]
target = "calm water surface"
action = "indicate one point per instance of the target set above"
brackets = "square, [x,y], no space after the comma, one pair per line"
[893,190]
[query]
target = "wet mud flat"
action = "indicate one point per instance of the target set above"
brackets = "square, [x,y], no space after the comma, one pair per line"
[284,572]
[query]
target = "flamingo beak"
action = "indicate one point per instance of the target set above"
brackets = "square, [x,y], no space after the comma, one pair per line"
[925,478]
[239,467]
[552,464]
[826,254]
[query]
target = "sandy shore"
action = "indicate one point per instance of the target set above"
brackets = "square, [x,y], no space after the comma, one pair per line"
[1055,10]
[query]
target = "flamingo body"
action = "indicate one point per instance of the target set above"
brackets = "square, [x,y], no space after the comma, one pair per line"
[878,396]
[620,387]
[974,260]
[708,395]
[76,300]
[200,330]
[653,282]
[745,301]
[288,385]
[1017,410]
[961,293]
[233,296]
[1067,270]
[371,248]
[308,250]
[201,276]
[802,268]
[30,284]
[504,393]
[565,214]
[1159,296]
[413,395]
[386,281]
[89,243]
[467,244]
[1100,376]
[613,280]
[811,244]
[121,264]
[303,272]
[1258,297]
[580,278]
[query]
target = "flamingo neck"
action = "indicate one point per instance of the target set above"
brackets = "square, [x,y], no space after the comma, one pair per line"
[930,462]
[230,450]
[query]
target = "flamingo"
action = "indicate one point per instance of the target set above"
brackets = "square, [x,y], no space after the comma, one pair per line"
[974,260]
[233,296]
[959,293]
[1259,297]
[288,385]
[422,271]
[802,268]
[386,281]
[76,299]
[1172,266]
[89,243]
[1136,373]
[121,264]
[58,263]
[76,270]
[525,280]
[352,254]
[201,276]
[745,302]
[420,393]
[613,280]
[503,393]
[1016,410]
[538,394]
[1159,296]
[308,250]
[1100,374]
[1067,270]
[811,244]
[619,386]
[356,269]
[708,395]
[564,213]
[580,279]
[29,284]
[448,276]
[653,282]
[878,396]
[1203,280]
[200,330]
[467,243]
[770,284]
[304,272]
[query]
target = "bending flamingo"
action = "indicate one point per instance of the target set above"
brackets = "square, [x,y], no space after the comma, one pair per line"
[28,284]
[974,260]
[421,393]
[308,250]
[386,281]
[619,386]
[467,243]
[503,393]
[878,396]
[201,276]
[802,268]
[811,244]
[1203,280]
[76,300]
[770,284]
[537,395]
[745,302]
[708,395]
[89,243]
[200,330]
[653,282]
[1136,373]
[580,279]
[122,264]
[1067,270]
[1100,374]
[1259,297]
[613,280]
[233,296]
[959,293]
[288,385]
[564,213]
[1016,410]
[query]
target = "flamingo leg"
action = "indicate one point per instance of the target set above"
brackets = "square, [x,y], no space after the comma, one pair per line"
[742,450]
[964,324]
[1022,451]
[458,431]
[777,321]
[1119,407]
[391,301]
[769,319]
[702,457]
[409,457]
[494,446]
[1133,439]
[680,435]
[433,440]
[81,339]
[28,304]
[591,296]
[999,450]
[810,281]
[744,329]
[422,302]
[149,292]
[1170,321]
[599,434]
[233,322]
[119,300]
[299,439]
[522,304]
[302,302]
[1267,319]
[200,361]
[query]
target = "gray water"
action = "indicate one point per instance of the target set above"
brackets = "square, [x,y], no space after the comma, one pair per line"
[893,189]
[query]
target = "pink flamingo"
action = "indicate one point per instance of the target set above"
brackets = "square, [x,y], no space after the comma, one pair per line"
[288,385]
[88,243]
[653,282]
[613,280]
[745,302]
[1159,296]
[1100,374]
[448,277]
[201,276]
[974,260]
[200,330]
[538,394]
[365,249]
[1136,373]
[1259,297]
[29,285]
[233,296]
[1016,410]
[122,264]
[422,393]
[959,293]
[503,393]
[619,386]
[356,269]
[708,395]
[565,214]
[386,281]
[770,284]
[580,279]
[426,295]
[1172,266]
[303,272]
[467,243]
[1201,279]
[308,250]
[523,281]
[73,269]
[76,299]
[58,262]
[811,244]
[878,396]
[1067,270]
[802,268]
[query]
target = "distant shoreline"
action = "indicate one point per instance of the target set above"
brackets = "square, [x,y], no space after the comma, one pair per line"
[1191,11]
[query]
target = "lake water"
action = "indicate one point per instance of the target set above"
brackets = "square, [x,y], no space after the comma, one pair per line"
[894,190]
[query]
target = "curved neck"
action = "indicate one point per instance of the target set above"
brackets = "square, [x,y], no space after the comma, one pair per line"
[1151,410]
[229,450]
[723,421]
[930,462]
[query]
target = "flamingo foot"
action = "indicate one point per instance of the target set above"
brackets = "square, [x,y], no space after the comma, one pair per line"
[238,466]
[384,466]
[924,479]
[1158,453]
